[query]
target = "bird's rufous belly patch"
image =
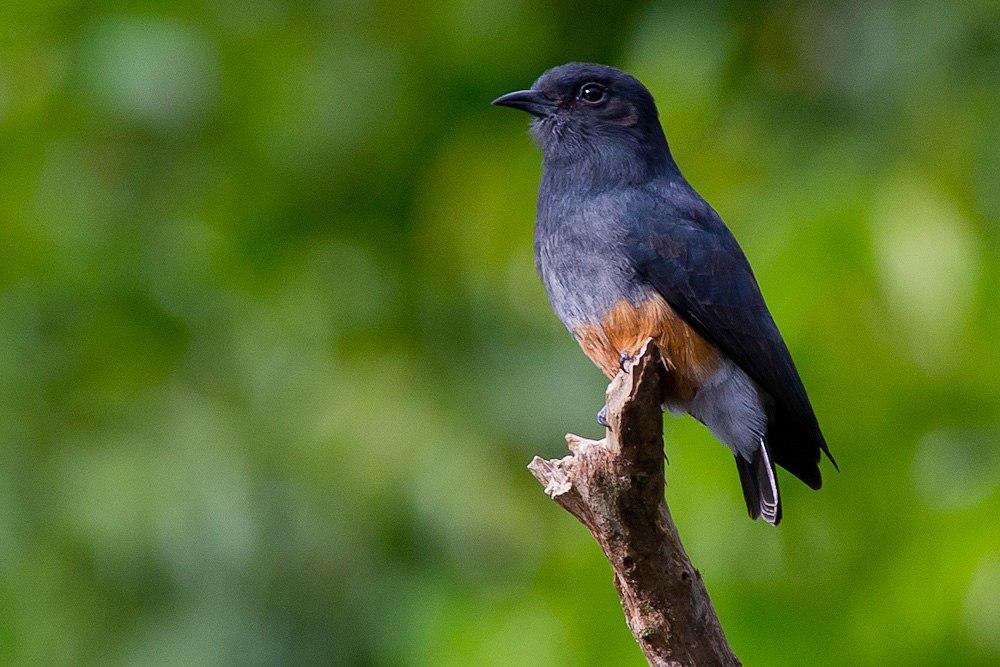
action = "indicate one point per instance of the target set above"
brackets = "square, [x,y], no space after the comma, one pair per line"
[625,328]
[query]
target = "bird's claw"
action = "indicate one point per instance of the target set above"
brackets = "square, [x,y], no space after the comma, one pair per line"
[623,359]
[602,417]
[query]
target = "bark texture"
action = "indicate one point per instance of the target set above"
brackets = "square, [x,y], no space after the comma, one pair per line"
[615,487]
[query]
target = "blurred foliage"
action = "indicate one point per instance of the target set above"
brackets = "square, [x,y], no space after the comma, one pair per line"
[273,355]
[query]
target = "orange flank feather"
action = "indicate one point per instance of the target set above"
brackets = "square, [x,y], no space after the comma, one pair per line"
[627,326]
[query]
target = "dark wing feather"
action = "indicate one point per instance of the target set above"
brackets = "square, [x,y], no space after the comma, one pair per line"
[697,266]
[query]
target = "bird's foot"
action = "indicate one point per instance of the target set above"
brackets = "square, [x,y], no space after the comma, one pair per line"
[624,359]
[602,417]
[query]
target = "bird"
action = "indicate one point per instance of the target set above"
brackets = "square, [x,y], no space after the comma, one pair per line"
[628,251]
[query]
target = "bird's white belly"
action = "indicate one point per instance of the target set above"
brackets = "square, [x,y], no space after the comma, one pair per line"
[731,405]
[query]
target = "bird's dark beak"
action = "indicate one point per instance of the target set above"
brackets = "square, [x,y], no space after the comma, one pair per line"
[532,101]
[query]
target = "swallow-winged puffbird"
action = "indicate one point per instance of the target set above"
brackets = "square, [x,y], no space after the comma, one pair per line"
[627,251]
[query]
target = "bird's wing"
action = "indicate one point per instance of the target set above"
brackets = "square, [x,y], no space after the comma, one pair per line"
[693,261]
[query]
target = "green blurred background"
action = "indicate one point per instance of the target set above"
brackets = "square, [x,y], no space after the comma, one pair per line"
[273,355]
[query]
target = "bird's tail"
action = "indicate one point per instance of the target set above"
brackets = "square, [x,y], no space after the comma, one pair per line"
[760,486]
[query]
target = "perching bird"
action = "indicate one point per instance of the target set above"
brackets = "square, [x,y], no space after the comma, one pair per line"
[627,250]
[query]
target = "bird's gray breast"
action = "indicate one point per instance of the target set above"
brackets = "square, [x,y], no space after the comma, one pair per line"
[578,257]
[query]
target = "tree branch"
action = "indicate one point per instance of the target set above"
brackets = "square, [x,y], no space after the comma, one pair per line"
[615,487]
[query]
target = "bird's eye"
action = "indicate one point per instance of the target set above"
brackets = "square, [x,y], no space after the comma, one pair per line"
[592,92]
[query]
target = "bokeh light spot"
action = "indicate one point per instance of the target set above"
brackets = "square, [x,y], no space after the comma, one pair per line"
[150,70]
[956,469]
[929,265]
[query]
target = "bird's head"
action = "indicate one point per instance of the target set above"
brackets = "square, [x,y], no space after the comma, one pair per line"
[583,108]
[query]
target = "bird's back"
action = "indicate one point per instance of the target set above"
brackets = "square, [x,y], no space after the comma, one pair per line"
[682,248]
